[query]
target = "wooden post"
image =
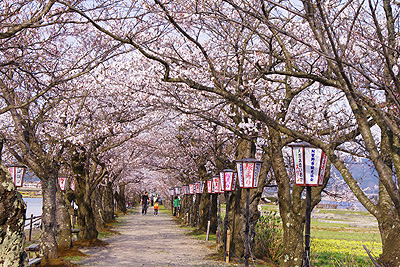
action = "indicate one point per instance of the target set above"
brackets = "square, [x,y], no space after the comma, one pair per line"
[30,228]
[228,245]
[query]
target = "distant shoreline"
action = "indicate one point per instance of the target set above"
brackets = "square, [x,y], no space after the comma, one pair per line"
[30,192]
[31,196]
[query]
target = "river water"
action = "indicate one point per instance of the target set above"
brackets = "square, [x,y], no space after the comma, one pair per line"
[33,206]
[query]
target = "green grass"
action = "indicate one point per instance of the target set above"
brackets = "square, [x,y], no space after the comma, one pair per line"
[345,250]
[342,211]
[333,244]
[336,244]
[73,258]
[316,223]
[202,236]
[162,209]
[192,231]
[350,236]
[335,259]
[105,234]
[270,207]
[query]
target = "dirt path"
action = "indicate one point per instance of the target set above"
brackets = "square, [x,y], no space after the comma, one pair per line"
[150,241]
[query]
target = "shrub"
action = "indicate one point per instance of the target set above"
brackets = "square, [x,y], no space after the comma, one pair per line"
[268,237]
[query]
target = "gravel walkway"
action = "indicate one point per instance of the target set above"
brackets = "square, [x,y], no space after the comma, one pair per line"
[150,241]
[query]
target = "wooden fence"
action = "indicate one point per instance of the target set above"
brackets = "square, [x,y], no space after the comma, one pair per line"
[31,222]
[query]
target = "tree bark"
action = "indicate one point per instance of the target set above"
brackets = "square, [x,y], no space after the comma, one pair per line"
[64,236]
[86,222]
[237,217]
[108,202]
[120,198]
[291,206]
[83,193]
[48,235]
[98,210]
[12,218]
[389,228]
[204,210]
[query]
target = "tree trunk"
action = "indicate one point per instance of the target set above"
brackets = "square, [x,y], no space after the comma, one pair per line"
[390,233]
[291,206]
[196,212]
[86,222]
[389,227]
[64,236]
[120,198]
[237,212]
[237,224]
[12,218]
[191,210]
[204,210]
[292,240]
[237,219]
[108,202]
[48,235]
[98,210]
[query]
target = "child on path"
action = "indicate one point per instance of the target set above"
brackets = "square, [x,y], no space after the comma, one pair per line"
[156,207]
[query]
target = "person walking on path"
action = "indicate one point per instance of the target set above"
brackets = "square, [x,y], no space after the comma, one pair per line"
[144,202]
[176,206]
[156,206]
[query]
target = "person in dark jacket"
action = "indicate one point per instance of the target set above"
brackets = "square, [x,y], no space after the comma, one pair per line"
[144,201]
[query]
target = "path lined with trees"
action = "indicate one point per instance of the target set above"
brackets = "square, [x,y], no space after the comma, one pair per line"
[150,241]
[152,94]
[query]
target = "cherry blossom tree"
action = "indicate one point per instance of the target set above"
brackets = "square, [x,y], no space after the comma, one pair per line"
[12,224]
[41,55]
[282,71]
[101,117]
[353,63]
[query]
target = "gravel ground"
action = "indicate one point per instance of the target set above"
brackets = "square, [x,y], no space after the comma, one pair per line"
[150,241]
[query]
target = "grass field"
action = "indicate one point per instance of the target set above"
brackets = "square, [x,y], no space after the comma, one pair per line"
[338,236]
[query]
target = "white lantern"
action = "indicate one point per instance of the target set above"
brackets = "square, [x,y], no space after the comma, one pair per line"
[17,174]
[228,177]
[199,187]
[171,191]
[309,164]
[177,190]
[62,181]
[210,186]
[186,190]
[191,189]
[221,183]
[248,171]
[217,185]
